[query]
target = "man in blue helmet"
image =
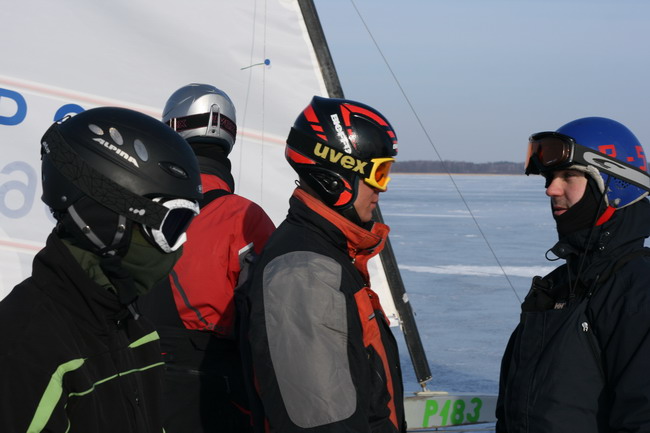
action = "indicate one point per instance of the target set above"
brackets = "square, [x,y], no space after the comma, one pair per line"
[323,356]
[578,360]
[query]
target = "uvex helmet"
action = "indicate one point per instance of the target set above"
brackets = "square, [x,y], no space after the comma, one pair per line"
[336,143]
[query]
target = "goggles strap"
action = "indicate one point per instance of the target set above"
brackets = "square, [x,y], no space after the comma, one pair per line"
[204,120]
[94,184]
[612,166]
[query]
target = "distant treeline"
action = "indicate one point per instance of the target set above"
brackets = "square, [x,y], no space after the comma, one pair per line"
[500,167]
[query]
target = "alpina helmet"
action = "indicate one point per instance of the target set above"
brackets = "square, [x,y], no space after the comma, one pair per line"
[108,167]
[336,143]
[201,112]
[603,148]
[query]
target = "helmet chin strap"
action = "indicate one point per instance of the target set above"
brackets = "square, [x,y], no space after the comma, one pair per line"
[96,229]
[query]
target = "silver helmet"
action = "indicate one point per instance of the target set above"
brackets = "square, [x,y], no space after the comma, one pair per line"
[202,113]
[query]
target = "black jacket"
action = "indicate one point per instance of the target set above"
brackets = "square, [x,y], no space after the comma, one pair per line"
[579,362]
[72,359]
[324,357]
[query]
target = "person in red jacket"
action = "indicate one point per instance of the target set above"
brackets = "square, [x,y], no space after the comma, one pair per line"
[320,352]
[194,309]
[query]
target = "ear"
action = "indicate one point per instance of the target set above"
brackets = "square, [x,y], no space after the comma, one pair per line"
[331,184]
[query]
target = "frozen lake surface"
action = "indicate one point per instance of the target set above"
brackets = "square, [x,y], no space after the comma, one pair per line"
[455,242]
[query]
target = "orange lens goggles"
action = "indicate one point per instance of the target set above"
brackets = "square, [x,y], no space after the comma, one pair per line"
[549,151]
[378,177]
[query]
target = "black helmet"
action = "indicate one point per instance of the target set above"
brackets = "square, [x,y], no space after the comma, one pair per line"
[107,167]
[334,143]
[202,113]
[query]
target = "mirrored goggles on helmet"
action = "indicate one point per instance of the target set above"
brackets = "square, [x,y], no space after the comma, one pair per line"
[378,177]
[204,120]
[171,233]
[548,151]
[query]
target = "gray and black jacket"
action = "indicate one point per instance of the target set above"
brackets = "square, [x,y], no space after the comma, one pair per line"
[323,355]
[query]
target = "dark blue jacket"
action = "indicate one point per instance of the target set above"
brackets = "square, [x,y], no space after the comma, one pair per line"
[578,360]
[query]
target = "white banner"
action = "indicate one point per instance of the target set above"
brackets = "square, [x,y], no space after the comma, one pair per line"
[63,57]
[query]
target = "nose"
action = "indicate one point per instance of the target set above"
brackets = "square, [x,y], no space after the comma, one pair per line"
[554,188]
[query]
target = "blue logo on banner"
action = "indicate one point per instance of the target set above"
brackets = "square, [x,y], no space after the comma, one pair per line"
[21,107]
[67,109]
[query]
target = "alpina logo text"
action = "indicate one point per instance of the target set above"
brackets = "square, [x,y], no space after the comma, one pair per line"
[346,161]
[117,150]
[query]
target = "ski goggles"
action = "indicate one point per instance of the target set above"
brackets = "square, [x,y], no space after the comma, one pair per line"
[548,151]
[204,120]
[171,234]
[378,177]
[551,151]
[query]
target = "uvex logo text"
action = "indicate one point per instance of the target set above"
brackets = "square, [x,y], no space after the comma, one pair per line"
[336,157]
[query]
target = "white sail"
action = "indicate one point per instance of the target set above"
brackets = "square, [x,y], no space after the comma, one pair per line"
[135,54]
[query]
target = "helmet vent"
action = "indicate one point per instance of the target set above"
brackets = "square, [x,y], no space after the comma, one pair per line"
[173,169]
[620,184]
[141,150]
[95,129]
[116,136]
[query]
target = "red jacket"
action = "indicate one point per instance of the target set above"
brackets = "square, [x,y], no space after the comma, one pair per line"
[203,281]
[227,227]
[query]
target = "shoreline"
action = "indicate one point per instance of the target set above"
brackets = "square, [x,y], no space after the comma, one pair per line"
[455,174]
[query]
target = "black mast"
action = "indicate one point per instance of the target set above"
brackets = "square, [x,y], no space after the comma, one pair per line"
[395,283]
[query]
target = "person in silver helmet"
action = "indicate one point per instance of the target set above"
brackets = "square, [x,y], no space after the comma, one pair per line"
[75,356]
[193,309]
[577,361]
[320,354]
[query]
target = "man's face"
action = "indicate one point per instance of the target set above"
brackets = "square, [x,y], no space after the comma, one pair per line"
[566,188]
[366,201]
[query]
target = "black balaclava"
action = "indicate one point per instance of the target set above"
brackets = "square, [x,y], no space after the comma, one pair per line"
[584,213]
[212,158]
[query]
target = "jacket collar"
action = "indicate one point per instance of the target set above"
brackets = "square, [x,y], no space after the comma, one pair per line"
[59,275]
[361,244]
[218,165]
[592,251]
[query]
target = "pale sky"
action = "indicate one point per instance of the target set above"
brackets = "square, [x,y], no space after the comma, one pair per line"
[483,75]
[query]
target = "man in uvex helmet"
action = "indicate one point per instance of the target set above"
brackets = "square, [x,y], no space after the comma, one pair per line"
[578,361]
[193,309]
[323,356]
[75,355]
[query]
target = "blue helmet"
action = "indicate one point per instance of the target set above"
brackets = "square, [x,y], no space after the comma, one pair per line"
[616,141]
